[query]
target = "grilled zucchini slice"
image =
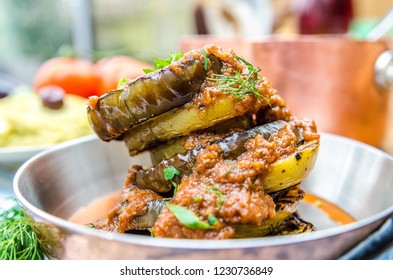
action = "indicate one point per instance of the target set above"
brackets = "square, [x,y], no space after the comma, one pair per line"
[286,205]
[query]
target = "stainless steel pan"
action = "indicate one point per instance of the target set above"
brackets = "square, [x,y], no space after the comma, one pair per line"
[59,181]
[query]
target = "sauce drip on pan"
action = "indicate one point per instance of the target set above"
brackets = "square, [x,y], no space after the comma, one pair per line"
[96,210]
[333,211]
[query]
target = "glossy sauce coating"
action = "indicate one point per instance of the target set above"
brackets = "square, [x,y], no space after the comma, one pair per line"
[232,191]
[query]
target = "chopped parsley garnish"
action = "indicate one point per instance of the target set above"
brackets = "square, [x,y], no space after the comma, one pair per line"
[212,219]
[230,170]
[187,217]
[197,198]
[205,60]
[90,225]
[161,63]
[239,85]
[175,187]
[220,197]
[169,173]
[122,82]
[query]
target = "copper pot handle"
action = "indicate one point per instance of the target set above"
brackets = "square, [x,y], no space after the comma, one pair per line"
[383,68]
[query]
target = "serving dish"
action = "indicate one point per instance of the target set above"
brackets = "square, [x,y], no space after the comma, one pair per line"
[57,182]
[15,156]
[11,158]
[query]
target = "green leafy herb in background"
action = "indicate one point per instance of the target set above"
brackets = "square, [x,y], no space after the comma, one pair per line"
[18,237]
[187,217]
[161,63]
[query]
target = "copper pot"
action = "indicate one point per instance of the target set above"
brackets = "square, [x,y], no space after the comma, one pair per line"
[334,80]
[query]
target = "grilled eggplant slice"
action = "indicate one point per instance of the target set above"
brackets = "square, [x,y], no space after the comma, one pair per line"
[207,136]
[146,97]
[178,122]
[232,146]
[286,205]
[285,172]
[153,210]
[293,225]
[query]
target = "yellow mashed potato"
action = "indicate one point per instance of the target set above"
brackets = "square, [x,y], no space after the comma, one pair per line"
[24,121]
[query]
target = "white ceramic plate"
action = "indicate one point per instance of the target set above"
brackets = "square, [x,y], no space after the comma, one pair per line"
[15,156]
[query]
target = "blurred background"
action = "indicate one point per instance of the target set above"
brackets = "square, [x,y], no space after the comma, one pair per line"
[34,31]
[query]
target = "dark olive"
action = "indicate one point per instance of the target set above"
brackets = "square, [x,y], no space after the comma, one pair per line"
[52,96]
[3,94]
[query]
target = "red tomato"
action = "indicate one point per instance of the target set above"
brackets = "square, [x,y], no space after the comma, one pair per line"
[110,70]
[74,75]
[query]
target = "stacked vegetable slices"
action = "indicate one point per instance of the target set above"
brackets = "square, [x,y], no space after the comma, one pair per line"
[227,155]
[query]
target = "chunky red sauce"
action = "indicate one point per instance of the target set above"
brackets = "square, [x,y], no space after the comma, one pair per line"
[99,208]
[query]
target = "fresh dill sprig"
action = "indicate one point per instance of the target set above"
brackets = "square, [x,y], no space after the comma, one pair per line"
[239,85]
[18,237]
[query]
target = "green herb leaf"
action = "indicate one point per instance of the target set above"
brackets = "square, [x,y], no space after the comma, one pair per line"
[197,198]
[147,70]
[205,60]
[220,197]
[122,82]
[230,170]
[212,219]
[175,187]
[170,172]
[161,63]
[187,217]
